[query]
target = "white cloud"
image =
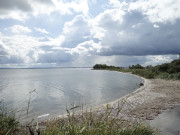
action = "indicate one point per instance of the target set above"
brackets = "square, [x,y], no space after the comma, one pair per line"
[156,26]
[113,15]
[17,9]
[18,29]
[126,33]
[76,32]
[20,46]
[93,1]
[117,4]
[159,59]
[41,30]
[22,10]
[130,33]
[26,50]
[163,11]
[75,5]
[16,15]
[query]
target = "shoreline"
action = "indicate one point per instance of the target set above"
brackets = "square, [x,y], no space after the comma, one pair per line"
[147,102]
[143,104]
[139,106]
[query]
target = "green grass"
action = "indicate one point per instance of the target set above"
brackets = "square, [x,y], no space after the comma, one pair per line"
[90,123]
[82,123]
[8,122]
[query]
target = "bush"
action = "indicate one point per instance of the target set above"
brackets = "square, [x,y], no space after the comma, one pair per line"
[100,66]
[136,67]
[167,76]
[144,73]
[104,66]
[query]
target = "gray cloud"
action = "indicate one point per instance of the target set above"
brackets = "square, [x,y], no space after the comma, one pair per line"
[44,1]
[55,56]
[23,5]
[6,58]
[6,5]
[10,59]
[135,35]
[2,51]
[21,9]
[117,36]
[76,32]
[51,55]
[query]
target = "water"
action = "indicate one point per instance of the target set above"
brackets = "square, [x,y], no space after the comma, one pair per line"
[168,122]
[55,89]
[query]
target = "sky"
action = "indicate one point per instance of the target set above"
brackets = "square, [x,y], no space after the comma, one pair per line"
[81,33]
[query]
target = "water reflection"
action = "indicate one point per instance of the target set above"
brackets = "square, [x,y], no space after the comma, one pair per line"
[58,88]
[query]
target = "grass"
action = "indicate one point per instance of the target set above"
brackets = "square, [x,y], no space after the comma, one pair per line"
[84,123]
[89,123]
[8,122]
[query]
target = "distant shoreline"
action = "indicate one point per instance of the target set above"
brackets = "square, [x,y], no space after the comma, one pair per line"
[46,68]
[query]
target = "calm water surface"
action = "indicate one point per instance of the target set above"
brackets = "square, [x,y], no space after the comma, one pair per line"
[56,89]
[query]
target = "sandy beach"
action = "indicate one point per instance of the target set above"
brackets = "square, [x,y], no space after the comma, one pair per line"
[148,101]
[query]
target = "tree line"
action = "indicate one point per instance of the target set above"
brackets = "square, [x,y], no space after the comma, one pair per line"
[165,71]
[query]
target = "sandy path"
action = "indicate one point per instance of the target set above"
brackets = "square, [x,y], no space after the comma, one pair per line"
[148,101]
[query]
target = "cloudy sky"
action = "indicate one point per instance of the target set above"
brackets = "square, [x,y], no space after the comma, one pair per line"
[81,33]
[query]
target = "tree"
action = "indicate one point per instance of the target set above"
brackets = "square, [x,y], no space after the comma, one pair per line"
[138,66]
[100,66]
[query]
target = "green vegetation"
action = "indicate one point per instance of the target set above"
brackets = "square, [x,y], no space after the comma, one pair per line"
[89,123]
[165,71]
[8,122]
[104,66]
[82,123]
[136,67]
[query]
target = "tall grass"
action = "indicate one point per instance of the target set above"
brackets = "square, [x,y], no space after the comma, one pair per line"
[8,122]
[91,123]
[85,122]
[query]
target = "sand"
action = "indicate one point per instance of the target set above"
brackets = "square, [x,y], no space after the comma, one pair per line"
[148,101]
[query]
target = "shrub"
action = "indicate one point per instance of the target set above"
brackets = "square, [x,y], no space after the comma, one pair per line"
[167,76]
[144,73]
[136,67]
